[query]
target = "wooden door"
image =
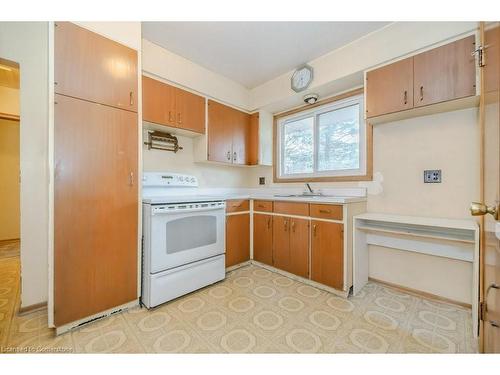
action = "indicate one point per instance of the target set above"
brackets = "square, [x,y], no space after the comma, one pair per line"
[327,265]
[281,242]
[158,102]
[299,247]
[190,111]
[390,88]
[241,132]
[91,67]
[253,140]
[95,208]
[445,73]
[220,132]
[263,238]
[237,239]
[490,189]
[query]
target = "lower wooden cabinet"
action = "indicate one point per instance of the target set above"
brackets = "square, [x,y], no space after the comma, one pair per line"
[291,245]
[263,238]
[237,239]
[327,253]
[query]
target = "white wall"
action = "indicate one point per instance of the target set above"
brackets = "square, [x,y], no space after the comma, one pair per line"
[27,44]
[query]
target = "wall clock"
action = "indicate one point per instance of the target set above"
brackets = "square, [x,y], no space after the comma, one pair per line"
[302,78]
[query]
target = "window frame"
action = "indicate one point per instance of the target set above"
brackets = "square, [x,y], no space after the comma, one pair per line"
[364,173]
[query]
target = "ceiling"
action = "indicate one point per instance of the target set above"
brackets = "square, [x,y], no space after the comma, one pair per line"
[252,53]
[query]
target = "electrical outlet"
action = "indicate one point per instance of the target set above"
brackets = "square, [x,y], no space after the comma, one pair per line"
[432,176]
[262,180]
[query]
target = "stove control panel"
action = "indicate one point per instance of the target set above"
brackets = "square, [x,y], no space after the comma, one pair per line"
[168,179]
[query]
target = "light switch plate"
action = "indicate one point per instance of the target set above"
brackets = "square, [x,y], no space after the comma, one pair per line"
[432,176]
[262,180]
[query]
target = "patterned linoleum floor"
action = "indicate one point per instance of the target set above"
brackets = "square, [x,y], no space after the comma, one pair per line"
[258,311]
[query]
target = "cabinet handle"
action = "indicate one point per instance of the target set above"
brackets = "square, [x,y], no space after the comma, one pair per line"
[131,179]
[229,155]
[325,211]
[234,156]
[293,226]
[285,222]
[314,230]
[179,118]
[170,116]
[131,98]
[268,223]
[421,93]
[406,97]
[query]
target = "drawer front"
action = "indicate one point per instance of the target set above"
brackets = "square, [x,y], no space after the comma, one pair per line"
[237,205]
[292,208]
[263,206]
[326,211]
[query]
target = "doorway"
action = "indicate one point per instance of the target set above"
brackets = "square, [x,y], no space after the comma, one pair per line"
[10,186]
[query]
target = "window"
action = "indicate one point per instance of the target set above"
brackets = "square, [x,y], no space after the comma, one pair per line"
[327,141]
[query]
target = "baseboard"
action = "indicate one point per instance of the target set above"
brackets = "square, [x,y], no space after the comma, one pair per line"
[31,308]
[421,293]
[239,265]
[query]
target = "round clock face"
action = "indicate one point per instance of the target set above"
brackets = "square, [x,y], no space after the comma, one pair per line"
[302,78]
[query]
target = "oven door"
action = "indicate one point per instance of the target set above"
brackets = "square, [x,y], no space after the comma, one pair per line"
[182,236]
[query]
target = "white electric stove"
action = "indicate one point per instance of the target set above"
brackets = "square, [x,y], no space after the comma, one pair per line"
[184,237]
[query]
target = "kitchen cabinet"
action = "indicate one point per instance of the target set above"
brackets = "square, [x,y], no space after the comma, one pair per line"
[263,238]
[228,134]
[291,245]
[441,75]
[237,238]
[237,205]
[171,106]
[95,208]
[91,67]
[291,208]
[253,139]
[445,73]
[389,88]
[327,253]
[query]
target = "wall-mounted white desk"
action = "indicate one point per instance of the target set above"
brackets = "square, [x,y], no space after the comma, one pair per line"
[450,238]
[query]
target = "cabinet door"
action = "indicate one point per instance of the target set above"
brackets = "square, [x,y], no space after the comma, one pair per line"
[158,102]
[220,132]
[95,209]
[241,133]
[327,266]
[263,238]
[91,67]
[190,111]
[281,242]
[390,88]
[253,139]
[445,73]
[299,247]
[237,239]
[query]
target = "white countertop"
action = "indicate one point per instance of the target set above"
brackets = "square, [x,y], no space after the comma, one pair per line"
[228,196]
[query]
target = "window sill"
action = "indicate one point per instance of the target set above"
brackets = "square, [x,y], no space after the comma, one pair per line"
[366,177]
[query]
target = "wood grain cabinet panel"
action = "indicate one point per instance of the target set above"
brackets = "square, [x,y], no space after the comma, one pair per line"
[237,205]
[263,206]
[326,211]
[91,67]
[263,238]
[389,88]
[158,102]
[190,111]
[281,242]
[95,208]
[445,73]
[253,139]
[292,208]
[237,239]
[299,247]
[327,252]
[220,132]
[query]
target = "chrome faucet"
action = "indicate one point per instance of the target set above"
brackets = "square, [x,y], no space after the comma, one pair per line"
[309,188]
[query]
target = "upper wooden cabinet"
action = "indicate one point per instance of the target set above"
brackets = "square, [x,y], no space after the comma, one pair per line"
[439,75]
[445,73]
[390,88]
[164,104]
[228,134]
[94,68]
